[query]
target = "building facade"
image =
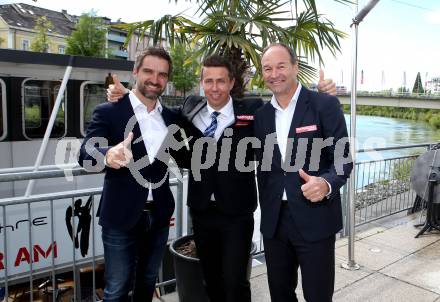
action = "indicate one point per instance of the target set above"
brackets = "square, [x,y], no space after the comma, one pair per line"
[433,86]
[17,31]
[17,23]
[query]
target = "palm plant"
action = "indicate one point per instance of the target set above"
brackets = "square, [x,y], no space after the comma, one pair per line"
[240,29]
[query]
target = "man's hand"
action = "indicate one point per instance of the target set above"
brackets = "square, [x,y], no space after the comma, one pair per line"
[120,155]
[115,91]
[315,188]
[326,86]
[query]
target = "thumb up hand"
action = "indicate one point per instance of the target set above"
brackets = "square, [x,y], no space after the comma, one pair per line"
[116,90]
[326,85]
[306,177]
[314,188]
[120,155]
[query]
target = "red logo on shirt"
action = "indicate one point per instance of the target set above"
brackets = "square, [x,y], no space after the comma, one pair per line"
[306,129]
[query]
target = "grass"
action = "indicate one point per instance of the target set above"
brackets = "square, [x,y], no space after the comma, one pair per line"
[430,116]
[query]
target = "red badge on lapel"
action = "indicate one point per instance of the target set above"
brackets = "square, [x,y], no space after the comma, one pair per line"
[306,129]
[243,120]
[245,117]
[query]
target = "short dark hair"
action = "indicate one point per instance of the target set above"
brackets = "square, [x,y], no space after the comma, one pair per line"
[292,55]
[217,61]
[159,52]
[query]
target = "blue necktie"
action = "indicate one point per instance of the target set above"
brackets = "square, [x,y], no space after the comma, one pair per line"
[209,132]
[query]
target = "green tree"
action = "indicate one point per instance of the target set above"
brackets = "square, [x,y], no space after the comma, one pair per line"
[418,86]
[402,90]
[89,37]
[41,42]
[185,68]
[240,29]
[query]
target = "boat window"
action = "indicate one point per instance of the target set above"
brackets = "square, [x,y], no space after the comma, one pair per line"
[92,94]
[38,101]
[2,109]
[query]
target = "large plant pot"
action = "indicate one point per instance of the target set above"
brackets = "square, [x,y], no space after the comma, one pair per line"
[188,272]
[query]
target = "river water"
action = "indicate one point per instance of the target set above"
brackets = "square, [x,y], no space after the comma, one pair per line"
[377,132]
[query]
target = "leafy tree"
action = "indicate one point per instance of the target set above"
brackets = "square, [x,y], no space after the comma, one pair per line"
[240,29]
[402,90]
[89,37]
[418,86]
[41,42]
[185,68]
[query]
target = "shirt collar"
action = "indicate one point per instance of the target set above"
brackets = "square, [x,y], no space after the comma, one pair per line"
[292,102]
[135,102]
[226,111]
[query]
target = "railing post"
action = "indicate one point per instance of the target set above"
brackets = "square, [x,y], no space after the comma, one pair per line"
[5,253]
[359,16]
[351,264]
[31,254]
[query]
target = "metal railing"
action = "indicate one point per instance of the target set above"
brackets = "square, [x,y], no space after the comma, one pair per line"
[47,270]
[383,185]
[382,189]
[386,189]
[36,246]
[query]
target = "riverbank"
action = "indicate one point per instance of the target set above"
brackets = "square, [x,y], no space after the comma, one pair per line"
[430,116]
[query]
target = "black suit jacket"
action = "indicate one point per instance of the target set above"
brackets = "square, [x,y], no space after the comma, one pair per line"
[234,190]
[316,220]
[123,198]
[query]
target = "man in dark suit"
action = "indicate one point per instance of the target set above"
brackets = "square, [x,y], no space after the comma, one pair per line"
[222,194]
[300,208]
[136,202]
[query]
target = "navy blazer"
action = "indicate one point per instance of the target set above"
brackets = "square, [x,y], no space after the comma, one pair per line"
[123,198]
[315,220]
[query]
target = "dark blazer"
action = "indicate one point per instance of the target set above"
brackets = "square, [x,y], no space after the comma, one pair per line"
[318,220]
[234,190]
[123,198]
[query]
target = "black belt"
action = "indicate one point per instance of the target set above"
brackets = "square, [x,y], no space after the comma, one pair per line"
[284,202]
[148,206]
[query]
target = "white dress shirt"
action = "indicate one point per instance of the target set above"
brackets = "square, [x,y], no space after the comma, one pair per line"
[152,126]
[283,121]
[226,118]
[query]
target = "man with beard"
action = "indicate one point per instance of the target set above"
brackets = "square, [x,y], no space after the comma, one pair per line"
[134,215]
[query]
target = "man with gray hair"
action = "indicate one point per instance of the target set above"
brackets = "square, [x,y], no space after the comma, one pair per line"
[300,208]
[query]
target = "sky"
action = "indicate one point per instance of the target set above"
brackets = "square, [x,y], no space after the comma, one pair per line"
[395,41]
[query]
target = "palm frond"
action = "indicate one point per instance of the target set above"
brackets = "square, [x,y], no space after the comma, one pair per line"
[248,26]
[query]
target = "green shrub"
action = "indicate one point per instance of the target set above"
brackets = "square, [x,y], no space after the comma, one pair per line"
[434,121]
[402,169]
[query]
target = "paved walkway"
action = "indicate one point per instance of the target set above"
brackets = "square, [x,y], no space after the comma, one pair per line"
[394,266]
